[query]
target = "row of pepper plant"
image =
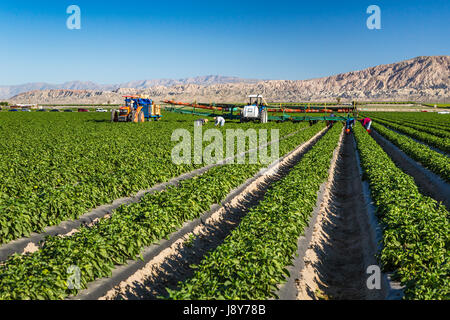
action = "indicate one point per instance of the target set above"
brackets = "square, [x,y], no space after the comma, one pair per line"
[98,249]
[417,126]
[56,167]
[416,229]
[432,120]
[433,141]
[434,161]
[252,260]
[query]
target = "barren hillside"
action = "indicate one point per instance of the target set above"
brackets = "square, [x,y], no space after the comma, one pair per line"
[418,79]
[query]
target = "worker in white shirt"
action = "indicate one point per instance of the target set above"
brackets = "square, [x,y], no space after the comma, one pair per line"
[219,121]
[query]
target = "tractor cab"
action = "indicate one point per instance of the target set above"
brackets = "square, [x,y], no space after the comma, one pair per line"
[255,110]
[255,100]
[124,114]
[124,111]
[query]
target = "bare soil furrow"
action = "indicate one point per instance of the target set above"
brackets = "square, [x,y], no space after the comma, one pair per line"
[341,248]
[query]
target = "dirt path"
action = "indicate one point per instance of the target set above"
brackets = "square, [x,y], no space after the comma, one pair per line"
[341,248]
[429,183]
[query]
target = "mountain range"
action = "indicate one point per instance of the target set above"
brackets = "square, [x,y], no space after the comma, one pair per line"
[424,78]
[7,92]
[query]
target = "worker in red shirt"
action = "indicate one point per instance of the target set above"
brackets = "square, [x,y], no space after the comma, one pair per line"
[366,122]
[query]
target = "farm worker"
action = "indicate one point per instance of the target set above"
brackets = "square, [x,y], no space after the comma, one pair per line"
[366,122]
[349,123]
[330,122]
[219,121]
[204,121]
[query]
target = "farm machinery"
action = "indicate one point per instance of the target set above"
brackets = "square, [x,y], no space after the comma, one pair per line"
[257,109]
[137,109]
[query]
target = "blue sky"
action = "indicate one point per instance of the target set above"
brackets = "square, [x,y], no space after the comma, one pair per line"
[122,41]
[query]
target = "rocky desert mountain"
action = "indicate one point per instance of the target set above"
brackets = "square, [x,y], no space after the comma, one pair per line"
[7,92]
[419,79]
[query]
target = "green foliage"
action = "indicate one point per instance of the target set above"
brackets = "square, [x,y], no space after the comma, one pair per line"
[425,128]
[57,166]
[429,119]
[434,128]
[434,141]
[436,162]
[416,229]
[97,250]
[252,260]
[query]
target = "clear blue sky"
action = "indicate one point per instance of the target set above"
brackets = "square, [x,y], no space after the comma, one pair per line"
[121,41]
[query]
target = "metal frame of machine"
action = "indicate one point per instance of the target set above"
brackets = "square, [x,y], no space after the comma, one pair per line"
[258,109]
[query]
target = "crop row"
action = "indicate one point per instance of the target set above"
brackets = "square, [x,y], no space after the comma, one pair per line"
[433,120]
[421,127]
[437,142]
[435,161]
[416,229]
[55,167]
[95,251]
[431,125]
[437,122]
[252,260]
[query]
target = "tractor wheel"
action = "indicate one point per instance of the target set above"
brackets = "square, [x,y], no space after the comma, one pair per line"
[133,117]
[263,116]
[141,117]
[114,117]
